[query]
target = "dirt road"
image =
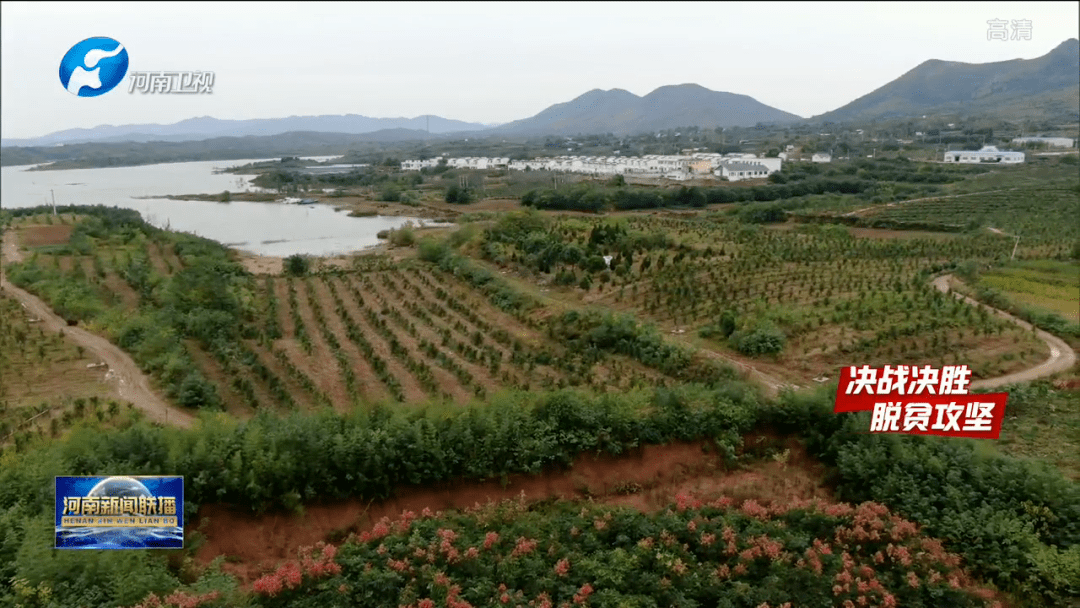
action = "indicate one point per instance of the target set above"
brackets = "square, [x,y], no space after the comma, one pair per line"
[1062,356]
[129,381]
[772,385]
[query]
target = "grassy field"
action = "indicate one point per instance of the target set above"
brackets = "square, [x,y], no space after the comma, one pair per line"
[1042,422]
[1046,285]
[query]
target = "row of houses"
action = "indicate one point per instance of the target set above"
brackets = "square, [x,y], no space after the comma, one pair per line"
[732,167]
[471,162]
[1057,142]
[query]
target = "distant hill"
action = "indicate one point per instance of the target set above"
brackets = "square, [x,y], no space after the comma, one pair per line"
[196,129]
[1050,83]
[669,107]
[124,154]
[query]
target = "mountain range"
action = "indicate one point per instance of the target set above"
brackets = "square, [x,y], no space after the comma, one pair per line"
[622,112]
[1047,86]
[1050,83]
[196,129]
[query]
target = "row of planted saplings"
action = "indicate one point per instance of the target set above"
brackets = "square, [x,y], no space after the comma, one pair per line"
[348,375]
[479,352]
[233,358]
[688,297]
[273,331]
[485,355]
[478,336]
[423,373]
[299,329]
[356,336]
[515,310]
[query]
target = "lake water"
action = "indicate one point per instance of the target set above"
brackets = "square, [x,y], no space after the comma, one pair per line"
[262,228]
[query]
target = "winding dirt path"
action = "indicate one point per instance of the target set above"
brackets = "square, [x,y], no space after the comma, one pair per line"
[128,380]
[1062,356]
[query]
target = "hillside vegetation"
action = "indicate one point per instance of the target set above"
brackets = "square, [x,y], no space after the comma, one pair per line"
[527,339]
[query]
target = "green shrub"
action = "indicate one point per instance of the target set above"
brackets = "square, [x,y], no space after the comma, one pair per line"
[390,194]
[403,237]
[433,250]
[764,339]
[195,391]
[456,195]
[297,265]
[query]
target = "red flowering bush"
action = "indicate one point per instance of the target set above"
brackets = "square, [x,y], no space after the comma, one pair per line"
[313,563]
[562,567]
[177,599]
[705,553]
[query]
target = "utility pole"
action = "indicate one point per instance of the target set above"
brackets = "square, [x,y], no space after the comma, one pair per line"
[53,201]
[1017,244]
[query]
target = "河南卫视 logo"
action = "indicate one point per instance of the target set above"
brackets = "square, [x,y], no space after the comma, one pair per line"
[93,67]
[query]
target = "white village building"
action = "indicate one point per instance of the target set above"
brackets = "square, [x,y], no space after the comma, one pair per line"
[416,165]
[736,171]
[988,154]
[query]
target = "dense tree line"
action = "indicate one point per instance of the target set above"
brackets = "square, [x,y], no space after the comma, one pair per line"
[596,199]
[864,178]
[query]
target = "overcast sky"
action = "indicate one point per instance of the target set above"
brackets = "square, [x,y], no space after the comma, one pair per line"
[489,62]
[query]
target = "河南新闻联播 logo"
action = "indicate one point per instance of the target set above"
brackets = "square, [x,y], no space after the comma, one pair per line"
[93,67]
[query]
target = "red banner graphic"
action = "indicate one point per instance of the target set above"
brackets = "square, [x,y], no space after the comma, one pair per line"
[920,401]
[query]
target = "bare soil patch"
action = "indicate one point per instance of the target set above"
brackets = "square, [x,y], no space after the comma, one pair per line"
[274,265]
[40,236]
[169,253]
[261,264]
[157,258]
[119,288]
[879,233]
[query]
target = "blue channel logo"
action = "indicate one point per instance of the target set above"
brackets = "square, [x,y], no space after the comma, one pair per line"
[93,67]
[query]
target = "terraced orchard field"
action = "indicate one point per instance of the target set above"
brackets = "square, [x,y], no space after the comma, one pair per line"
[809,300]
[407,334]
[1044,218]
[213,335]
